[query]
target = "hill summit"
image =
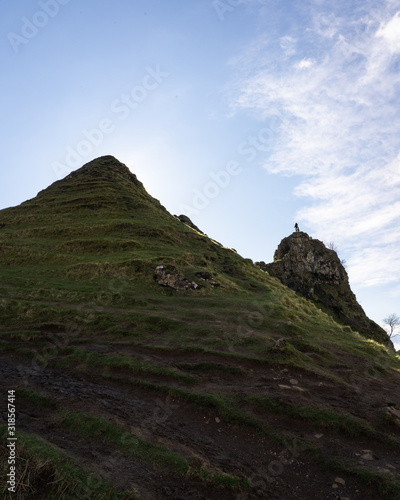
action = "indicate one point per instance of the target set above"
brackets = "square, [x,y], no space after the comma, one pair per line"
[308,267]
[149,361]
[104,182]
[100,222]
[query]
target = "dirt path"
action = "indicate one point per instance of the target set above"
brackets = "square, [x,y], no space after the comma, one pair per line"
[203,437]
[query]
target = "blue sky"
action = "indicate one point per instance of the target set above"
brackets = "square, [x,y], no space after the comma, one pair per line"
[247,115]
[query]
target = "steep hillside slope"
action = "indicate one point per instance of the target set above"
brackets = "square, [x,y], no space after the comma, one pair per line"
[100,222]
[149,361]
[307,266]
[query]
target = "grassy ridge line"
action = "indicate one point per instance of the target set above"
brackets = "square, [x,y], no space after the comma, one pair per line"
[115,361]
[208,366]
[323,418]
[255,341]
[305,321]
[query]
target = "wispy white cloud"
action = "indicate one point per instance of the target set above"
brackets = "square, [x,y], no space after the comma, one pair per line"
[305,63]
[288,45]
[377,259]
[339,102]
[326,25]
[390,32]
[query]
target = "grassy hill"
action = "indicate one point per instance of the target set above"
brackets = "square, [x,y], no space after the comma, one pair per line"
[125,388]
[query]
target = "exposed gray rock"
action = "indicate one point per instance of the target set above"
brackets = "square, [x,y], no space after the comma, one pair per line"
[308,267]
[168,276]
[205,276]
[185,219]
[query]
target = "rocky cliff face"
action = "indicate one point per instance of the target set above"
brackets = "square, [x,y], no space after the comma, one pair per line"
[308,267]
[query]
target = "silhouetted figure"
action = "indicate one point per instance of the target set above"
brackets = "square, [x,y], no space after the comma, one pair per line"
[296,227]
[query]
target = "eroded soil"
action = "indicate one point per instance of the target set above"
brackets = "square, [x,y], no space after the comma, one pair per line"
[295,470]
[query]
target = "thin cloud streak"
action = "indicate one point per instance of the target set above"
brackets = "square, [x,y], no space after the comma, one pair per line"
[339,107]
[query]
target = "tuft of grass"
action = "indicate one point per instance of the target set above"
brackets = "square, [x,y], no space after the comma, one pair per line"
[387,484]
[95,427]
[206,366]
[37,399]
[45,471]
[323,418]
[287,354]
[223,480]
[115,361]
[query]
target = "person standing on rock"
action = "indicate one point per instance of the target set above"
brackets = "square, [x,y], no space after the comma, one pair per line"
[296,226]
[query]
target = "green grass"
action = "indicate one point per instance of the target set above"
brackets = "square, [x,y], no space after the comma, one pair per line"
[221,406]
[123,362]
[95,427]
[77,265]
[36,399]
[207,366]
[45,471]
[322,418]
[387,484]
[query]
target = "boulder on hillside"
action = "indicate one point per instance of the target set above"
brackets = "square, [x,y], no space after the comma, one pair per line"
[185,219]
[168,276]
[205,276]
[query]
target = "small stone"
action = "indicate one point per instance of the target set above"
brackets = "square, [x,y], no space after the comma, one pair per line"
[318,436]
[341,481]
[281,386]
[367,456]
[300,389]
[335,486]
[293,381]
[217,420]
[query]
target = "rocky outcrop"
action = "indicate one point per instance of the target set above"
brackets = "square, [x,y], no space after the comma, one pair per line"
[204,276]
[168,276]
[185,219]
[308,267]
